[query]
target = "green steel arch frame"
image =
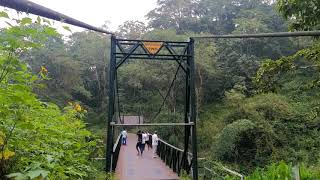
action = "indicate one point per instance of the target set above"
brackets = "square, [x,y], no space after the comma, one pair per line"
[124,49]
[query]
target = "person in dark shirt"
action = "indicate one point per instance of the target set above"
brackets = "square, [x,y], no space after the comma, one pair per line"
[149,141]
[139,142]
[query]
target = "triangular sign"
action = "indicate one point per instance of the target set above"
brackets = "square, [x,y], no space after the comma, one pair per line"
[153,47]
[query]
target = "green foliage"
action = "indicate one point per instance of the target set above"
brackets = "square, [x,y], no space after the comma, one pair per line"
[174,14]
[229,136]
[104,176]
[241,123]
[279,171]
[185,176]
[132,30]
[47,142]
[67,28]
[262,129]
[270,72]
[302,15]
[242,142]
[32,171]
[4,14]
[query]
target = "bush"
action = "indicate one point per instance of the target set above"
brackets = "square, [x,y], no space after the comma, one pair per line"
[244,143]
[280,171]
[37,139]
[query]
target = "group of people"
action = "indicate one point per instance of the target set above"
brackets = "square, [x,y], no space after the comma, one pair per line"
[143,138]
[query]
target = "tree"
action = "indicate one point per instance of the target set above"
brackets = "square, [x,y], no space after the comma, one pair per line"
[207,72]
[218,17]
[132,30]
[174,14]
[38,140]
[302,15]
[91,51]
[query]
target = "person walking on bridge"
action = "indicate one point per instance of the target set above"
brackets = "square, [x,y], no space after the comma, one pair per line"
[149,143]
[155,140]
[143,143]
[139,141]
[124,137]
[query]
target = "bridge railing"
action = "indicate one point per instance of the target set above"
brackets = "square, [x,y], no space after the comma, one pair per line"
[116,151]
[174,157]
[212,170]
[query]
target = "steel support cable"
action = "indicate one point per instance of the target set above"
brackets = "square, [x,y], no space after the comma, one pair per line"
[262,35]
[36,9]
[167,94]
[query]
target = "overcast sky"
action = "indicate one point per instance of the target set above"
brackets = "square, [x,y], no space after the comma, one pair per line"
[96,12]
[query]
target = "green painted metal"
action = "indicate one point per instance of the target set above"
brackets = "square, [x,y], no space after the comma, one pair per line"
[116,152]
[184,162]
[193,114]
[111,112]
[124,49]
[33,8]
[262,35]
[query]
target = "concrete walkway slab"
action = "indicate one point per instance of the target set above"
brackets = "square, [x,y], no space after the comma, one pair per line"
[130,166]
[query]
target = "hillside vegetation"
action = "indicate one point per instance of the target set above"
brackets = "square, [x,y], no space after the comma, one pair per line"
[257,99]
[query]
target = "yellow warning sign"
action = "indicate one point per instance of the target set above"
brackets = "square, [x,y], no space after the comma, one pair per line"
[153,47]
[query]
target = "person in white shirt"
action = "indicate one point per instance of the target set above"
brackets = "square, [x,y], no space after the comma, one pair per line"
[124,137]
[155,140]
[143,143]
[147,139]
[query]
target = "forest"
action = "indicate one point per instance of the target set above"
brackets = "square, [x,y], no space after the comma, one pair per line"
[258,99]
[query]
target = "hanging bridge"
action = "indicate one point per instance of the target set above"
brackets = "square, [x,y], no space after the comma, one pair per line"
[171,161]
[132,166]
[182,53]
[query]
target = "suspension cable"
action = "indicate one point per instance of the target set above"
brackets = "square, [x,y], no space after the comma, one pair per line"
[168,92]
[262,35]
[36,9]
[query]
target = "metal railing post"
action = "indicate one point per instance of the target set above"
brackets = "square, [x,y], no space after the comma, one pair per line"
[193,115]
[111,104]
[115,152]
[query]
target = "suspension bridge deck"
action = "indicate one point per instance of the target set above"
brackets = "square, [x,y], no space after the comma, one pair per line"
[134,167]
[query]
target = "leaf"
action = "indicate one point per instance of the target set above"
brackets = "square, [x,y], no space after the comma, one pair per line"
[37,173]
[50,31]
[1,141]
[38,20]
[25,21]
[78,108]
[67,28]
[49,158]
[46,21]
[4,14]
[1,138]
[13,175]
[7,154]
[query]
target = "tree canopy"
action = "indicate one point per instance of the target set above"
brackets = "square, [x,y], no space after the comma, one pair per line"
[257,99]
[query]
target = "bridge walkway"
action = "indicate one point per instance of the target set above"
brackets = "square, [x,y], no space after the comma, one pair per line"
[130,166]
